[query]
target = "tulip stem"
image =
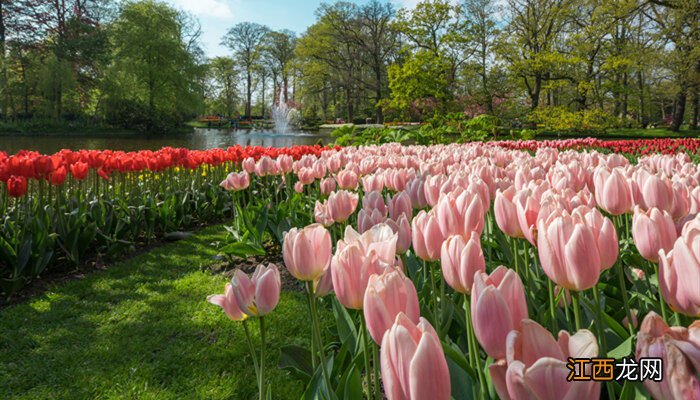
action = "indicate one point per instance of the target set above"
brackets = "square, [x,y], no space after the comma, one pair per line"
[262,358]
[625,300]
[375,368]
[252,351]
[662,304]
[552,310]
[601,334]
[515,256]
[317,333]
[436,315]
[365,354]
[577,310]
[473,349]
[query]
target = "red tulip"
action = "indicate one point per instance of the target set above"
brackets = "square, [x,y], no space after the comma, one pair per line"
[413,363]
[79,170]
[17,186]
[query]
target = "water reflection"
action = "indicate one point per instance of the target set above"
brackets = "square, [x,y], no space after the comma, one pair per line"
[199,139]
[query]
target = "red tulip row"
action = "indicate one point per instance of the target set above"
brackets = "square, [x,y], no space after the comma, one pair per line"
[636,147]
[16,169]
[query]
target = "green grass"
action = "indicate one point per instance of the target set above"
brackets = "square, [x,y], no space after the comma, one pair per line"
[143,330]
[627,133]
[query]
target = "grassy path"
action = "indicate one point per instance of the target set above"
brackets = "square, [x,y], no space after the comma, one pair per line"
[142,330]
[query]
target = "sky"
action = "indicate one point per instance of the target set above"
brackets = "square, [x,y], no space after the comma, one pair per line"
[217,16]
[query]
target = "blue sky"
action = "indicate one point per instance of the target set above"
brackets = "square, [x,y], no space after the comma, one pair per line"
[217,16]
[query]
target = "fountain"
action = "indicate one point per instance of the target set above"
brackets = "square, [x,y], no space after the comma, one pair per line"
[280,114]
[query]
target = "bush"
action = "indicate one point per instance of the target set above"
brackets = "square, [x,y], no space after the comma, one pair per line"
[130,114]
[561,119]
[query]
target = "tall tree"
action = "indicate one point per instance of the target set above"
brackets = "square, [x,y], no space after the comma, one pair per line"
[279,51]
[246,41]
[153,62]
[225,76]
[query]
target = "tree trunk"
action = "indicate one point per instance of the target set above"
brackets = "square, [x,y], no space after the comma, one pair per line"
[263,98]
[249,92]
[535,94]
[696,108]
[643,120]
[679,108]
[285,85]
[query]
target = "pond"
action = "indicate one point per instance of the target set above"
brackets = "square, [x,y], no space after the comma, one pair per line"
[199,139]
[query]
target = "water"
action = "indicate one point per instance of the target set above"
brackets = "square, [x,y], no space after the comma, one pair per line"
[199,139]
[280,113]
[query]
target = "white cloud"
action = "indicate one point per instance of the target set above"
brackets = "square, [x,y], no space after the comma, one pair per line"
[410,4]
[205,8]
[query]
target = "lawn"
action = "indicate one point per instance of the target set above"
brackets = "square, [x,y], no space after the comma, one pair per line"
[142,329]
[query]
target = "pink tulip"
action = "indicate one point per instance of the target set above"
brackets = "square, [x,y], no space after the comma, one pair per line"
[386,296]
[367,219]
[527,208]
[319,169]
[322,215]
[351,268]
[323,285]
[569,252]
[681,201]
[341,205]
[426,236]
[379,239]
[306,176]
[535,366]
[413,363]
[372,183]
[374,201]
[653,230]
[658,192]
[612,192]
[604,233]
[248,165]
[416,192]
[403,229]
[679,350]
[228,303]
[460,260]
[327,186]
[347,179]
[259,294]
[400,204]
[498,305]
[460,214]
[506,214]
[299,187]
[307,252]
[432,188]
[285,163]
[236,181]
[265,166]
[679,271]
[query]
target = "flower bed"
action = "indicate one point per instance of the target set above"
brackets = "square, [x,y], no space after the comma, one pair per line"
[480,271]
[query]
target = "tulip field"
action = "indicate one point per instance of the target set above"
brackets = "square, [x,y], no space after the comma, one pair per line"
[513,270]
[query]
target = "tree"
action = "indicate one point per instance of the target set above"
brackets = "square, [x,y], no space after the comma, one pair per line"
[279,51]
[246,41]
[153,58]
[223,71]
[481,25]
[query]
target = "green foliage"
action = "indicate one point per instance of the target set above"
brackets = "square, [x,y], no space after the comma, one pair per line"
[187,348]
[561,119]
[130,114]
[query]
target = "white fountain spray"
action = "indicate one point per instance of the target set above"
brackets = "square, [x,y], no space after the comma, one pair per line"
[280,114]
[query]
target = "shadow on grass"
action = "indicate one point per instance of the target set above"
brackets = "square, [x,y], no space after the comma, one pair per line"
[142,329]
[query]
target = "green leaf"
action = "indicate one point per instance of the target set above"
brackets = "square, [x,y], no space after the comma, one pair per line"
[296,358]
[346,326]
[623,350]
[243,250]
